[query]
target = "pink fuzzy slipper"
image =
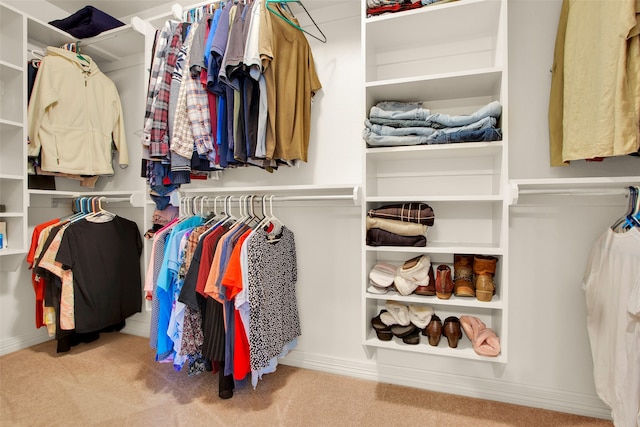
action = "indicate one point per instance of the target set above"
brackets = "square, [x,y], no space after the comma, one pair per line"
[484,340]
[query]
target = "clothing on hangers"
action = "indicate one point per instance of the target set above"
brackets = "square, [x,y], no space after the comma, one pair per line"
[209,313]
[231,91]
[67,125]
[73,304]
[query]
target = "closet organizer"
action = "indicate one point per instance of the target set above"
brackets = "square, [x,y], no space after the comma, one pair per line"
[86,267]
[223,286]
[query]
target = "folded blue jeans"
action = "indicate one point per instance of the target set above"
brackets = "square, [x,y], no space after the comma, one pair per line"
[439,120]
[377,140]
[480,135]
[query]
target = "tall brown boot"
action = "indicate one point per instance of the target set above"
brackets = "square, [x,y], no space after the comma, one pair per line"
[484,268]
[463,276]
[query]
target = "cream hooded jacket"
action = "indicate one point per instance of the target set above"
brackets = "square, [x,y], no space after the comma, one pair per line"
[75,116]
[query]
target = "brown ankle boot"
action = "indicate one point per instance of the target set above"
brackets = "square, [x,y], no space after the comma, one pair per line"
[430,288]
[484,268]
[444,284]
[463,276]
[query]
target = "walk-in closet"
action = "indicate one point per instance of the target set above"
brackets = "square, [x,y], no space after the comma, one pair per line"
[478,201]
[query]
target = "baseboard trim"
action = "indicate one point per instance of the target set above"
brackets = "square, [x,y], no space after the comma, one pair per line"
[497,390]
[23,341]
[136,327]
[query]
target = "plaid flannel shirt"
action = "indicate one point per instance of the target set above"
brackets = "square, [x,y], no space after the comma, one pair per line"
[155,81]
[182,136]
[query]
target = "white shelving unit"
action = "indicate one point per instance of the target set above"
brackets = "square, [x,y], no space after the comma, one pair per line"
[13,136]
[19,33]
[452,57]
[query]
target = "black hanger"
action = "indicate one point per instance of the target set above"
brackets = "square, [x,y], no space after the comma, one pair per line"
[290,22]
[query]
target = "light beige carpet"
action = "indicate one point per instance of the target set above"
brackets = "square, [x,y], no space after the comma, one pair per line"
[115,381]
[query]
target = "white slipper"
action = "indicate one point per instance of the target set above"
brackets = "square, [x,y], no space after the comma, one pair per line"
[400,312]
[420,315]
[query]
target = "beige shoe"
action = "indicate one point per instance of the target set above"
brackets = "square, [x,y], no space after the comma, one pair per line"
[412,274]
[484,268]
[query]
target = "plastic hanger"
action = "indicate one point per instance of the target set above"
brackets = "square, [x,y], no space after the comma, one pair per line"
[264,221]
[636,211]
[79,55]
[75,211]
[290,22]
[254,219]
[275,224]
[38,55]
[82,209]
[99,214]
[633,219]
[629,220]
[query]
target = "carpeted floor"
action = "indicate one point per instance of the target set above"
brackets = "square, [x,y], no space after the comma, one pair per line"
[115,382]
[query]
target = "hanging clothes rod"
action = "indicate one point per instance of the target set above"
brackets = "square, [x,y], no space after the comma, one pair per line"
[134,199]
[353,196]
[578,192]
[586,187]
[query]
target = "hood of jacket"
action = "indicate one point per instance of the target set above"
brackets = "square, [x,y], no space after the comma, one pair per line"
[86,65]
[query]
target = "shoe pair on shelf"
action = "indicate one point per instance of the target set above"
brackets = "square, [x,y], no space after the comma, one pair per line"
[402,321]
[414,276]
[450,329]
[473,276]
[484,340]
[409,322]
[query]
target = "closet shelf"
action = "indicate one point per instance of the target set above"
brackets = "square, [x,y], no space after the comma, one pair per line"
[587,186]
[434,198]
[11,177]
[442,248]
[110,46]
[10,65]
[463,149]
[11,214]
[464,349]
[10,123]
[11,259]
[435,87]
[494,304]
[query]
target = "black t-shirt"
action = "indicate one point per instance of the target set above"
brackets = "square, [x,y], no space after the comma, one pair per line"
[105,259]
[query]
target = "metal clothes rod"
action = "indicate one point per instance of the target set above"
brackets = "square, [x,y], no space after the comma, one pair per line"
[101,199]
[274,194]
[276,198]
[579,192]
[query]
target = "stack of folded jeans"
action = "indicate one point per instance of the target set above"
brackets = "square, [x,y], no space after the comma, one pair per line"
[403,224]
[394,123]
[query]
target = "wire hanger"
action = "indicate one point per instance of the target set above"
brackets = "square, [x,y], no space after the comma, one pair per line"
[294,24]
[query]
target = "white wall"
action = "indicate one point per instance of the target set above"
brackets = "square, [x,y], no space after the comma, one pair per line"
[549,362]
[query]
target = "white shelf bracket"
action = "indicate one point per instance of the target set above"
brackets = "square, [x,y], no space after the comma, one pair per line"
[514,193]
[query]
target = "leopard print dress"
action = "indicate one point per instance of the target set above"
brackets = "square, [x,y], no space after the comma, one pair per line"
[272,273]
